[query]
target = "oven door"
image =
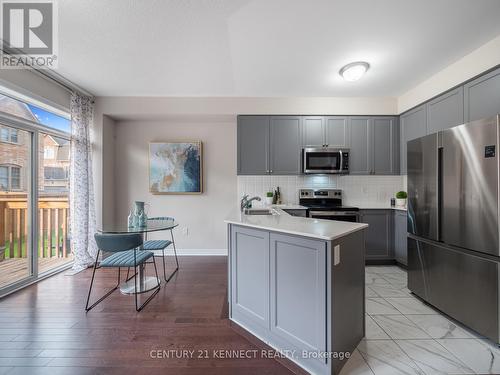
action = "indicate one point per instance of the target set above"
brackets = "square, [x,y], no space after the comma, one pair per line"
[322,160]
[351,216]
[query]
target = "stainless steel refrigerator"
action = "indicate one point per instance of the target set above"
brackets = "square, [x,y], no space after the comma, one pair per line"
[453,223]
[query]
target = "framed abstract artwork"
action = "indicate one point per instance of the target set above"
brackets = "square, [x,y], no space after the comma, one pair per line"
[176,167]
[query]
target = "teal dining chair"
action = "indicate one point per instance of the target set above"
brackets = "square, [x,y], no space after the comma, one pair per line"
[152,245]
[125,253]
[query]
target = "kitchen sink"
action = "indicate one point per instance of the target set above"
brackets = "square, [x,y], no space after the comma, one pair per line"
[260,211]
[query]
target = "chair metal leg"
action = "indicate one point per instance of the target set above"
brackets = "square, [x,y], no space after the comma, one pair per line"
[129,278]
[164,268]
[176,260]
[87,308]
[155,292]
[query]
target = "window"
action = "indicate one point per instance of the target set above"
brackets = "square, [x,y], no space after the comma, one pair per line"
[55,119]
[10,177]
[15,178]
[9,135]
[4,178]
[55,173]
[48,152]
[13,136]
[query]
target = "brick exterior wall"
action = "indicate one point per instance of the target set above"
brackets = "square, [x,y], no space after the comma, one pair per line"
[17,154]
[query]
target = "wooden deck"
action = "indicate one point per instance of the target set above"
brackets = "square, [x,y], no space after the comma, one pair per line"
[15,269]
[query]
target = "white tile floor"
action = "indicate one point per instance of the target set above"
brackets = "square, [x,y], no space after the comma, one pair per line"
[406,336]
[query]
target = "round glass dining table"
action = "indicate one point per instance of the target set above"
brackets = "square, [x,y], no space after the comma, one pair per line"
[144,283]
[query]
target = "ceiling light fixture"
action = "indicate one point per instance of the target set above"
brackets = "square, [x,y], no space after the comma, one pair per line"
[354,71]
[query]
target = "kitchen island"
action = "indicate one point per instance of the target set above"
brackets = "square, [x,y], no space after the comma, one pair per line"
[297,284]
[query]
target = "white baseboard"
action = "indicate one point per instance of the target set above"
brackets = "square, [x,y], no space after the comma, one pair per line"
[195,252]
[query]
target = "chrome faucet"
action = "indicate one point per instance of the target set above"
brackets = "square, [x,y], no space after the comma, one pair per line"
[245,202]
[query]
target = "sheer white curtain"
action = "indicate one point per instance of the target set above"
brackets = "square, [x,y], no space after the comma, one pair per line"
[82,207]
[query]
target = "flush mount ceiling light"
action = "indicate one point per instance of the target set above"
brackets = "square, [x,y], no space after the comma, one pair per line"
[354,71]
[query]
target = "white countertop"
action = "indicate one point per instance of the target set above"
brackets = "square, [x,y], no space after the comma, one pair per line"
[301,226]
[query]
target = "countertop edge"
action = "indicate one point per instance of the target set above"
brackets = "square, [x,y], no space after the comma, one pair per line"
[359,226]
[300,234]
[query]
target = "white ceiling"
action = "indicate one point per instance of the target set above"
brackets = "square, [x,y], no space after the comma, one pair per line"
[265,47]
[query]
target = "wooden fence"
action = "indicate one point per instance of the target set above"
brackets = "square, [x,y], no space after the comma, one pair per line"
[53,221]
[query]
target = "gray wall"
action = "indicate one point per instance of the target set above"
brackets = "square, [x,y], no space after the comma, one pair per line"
[108,171]
[203,214]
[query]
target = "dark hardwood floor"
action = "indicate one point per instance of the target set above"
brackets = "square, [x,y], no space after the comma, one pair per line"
[44,329]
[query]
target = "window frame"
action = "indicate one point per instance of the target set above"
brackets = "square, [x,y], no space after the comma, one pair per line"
[9,167]
[9,136]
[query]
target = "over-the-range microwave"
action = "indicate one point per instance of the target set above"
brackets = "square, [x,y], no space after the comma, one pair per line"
[324,160]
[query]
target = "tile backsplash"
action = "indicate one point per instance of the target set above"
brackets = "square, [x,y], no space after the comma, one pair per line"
[361,191]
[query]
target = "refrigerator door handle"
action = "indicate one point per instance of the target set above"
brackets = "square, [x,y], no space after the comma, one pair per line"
[439,192]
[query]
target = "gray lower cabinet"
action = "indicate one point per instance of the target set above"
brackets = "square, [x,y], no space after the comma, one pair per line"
[482,96]
[250,276]
[295,295]
[445,111]
[413,125]
[285,141]
[298,303]
[400,237]
[379,234]
[253,145]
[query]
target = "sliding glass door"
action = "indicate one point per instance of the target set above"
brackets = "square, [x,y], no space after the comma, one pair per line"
[34,193]
[16,259]
[53,202]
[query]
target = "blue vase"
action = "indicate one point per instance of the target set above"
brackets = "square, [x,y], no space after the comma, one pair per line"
[140,217]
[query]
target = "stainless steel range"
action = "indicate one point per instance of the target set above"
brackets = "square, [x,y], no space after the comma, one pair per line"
[327,204]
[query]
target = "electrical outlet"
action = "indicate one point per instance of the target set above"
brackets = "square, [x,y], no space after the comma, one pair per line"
[336,255]
[185,231]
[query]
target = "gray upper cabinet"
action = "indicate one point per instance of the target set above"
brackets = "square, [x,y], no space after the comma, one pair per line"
[253,145]
[413,125]
[325,131]
[285,141]
[313,131]
[337,132]
[482,96]
[445,111]
[361,146]
[374,145]
[400,237]
[378,240]
[272,144]
[385,145]
[269,144]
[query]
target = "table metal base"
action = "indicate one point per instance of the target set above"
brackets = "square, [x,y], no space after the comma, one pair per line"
[143,286]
